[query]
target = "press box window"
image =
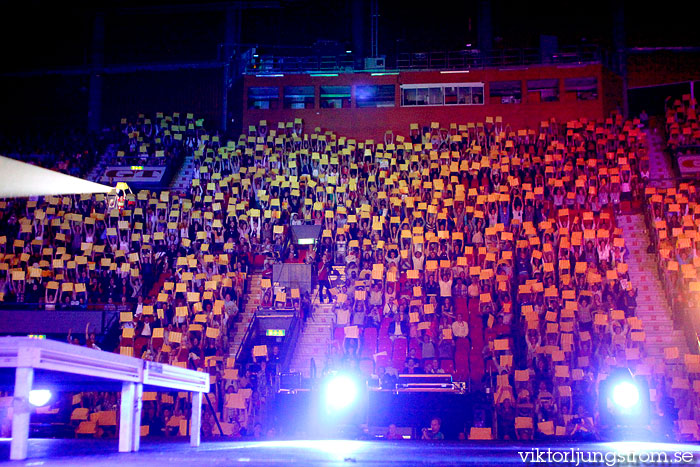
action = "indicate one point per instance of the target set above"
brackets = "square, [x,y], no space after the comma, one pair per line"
[299,97]
[548,89]
[382,95]
[586,89]
[267,98]
[335,97]
[509,92]
[464,95]
[422,96]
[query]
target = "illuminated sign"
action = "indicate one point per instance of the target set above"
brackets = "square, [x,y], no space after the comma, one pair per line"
[689,164]
[275,332]
[133,174]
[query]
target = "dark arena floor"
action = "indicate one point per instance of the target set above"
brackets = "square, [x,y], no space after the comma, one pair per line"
[48,452]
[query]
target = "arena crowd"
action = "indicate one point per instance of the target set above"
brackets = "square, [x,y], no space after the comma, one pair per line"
[479,250]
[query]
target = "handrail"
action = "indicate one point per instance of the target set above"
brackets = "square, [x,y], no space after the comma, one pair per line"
[58,321]
[289,346]
[246,337]
[430,60]
[25,306]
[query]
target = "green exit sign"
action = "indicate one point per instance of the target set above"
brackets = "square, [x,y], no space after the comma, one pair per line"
[275,332]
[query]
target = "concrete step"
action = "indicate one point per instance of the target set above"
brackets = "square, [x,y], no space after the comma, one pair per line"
[312,343]
[303,361]
[647,321]
[315,352]
[652,307]
[661,328]
[320,333]
[658,324]
[665,337]
[316,330]
[652,314]
[312,326]
[301,365]
[302,346]
[324,320]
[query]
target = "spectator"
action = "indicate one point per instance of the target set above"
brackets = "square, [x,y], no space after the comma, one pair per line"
[392,434]
[398,328]
[433,433]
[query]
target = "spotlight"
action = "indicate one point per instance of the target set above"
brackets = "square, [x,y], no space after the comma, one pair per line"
[39,397]
[625,395]
[623,405]
[341,392]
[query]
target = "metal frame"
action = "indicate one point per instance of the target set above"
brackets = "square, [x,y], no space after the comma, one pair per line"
[474,84]
[278,60]
[27,355]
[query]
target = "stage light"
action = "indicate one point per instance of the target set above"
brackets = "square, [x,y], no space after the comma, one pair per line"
[341,392]
[20,179]
[623,406]
[39,397]
[625,394]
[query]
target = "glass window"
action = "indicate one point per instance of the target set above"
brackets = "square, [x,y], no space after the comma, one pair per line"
[263,98]
[409,96]
[586,89]
[510,92]
[548,89]
[299,97]
[335,97]
[478,94]
[464,95]
[453,96]
[382,95]
[429,95]
[435,96]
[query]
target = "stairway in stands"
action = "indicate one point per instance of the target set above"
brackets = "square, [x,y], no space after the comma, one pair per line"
[251,304]
[652,307]
[477,366]
[183,179]
[314,341]
[98,170]
[157,286]
[660,169]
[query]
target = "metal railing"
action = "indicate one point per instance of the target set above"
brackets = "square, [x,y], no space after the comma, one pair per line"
[465,59]
[34,318]
[432,60]
[247,339]
[293,64]
[289,345]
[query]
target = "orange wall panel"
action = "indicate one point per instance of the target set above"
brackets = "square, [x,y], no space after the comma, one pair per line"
[373,122]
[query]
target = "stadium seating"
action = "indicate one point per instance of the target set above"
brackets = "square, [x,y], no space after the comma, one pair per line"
[515,230]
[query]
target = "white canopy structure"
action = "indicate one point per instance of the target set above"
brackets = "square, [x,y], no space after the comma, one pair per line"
[19,179]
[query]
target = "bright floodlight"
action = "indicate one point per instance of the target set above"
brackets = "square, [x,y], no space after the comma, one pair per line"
[19,179]
[625,395]
[39,397]
[341,391]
